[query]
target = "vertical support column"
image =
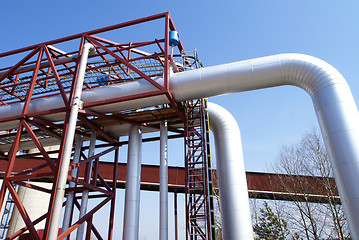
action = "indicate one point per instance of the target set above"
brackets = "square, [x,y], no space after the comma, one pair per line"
[175,213]
[163,181]
[70,134]
[133,184]
[70,196]
[85,193]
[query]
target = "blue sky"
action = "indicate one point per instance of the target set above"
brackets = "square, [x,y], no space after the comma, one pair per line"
[222,32]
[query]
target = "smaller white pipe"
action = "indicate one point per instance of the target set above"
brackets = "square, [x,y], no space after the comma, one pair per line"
[233,191]
[133,184]
[163,181]
[70,134]
[85,193]
[70,196]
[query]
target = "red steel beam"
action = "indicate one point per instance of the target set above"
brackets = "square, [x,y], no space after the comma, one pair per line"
[260,185]
[96,31]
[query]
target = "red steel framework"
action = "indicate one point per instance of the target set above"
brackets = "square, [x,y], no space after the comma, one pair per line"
[43,70]
[199,195]
[260,185]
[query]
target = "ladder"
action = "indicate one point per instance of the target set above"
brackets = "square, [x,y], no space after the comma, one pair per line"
[209,170]
[199,195]
[6,216]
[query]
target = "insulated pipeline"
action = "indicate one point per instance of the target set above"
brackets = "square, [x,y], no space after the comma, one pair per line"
[131,216]
[163,181]
[234,201]
[332,99]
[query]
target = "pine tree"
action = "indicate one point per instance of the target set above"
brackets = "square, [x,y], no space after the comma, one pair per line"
[270,226]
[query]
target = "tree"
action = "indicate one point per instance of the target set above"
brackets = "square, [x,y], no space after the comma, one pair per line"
[217,216]
[269,225]
[313,220]
[301,217]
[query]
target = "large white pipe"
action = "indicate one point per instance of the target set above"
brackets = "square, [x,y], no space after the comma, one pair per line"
[333,102]
[163,181]
[234,200]
[70,134]
[332,99]
[133,184]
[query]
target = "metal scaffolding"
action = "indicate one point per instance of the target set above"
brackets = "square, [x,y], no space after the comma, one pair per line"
[199,195]
[46,70]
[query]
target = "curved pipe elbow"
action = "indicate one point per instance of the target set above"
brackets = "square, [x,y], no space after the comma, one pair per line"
[89,47]
[332,99]
[234,201]
[333,102]
[304,71]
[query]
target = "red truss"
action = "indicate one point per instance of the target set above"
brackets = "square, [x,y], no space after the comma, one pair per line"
[45,70]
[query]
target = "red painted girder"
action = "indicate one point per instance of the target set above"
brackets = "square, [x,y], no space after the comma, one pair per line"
[97,31]
[260,184]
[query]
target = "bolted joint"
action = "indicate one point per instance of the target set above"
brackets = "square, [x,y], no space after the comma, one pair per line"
[77,101]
